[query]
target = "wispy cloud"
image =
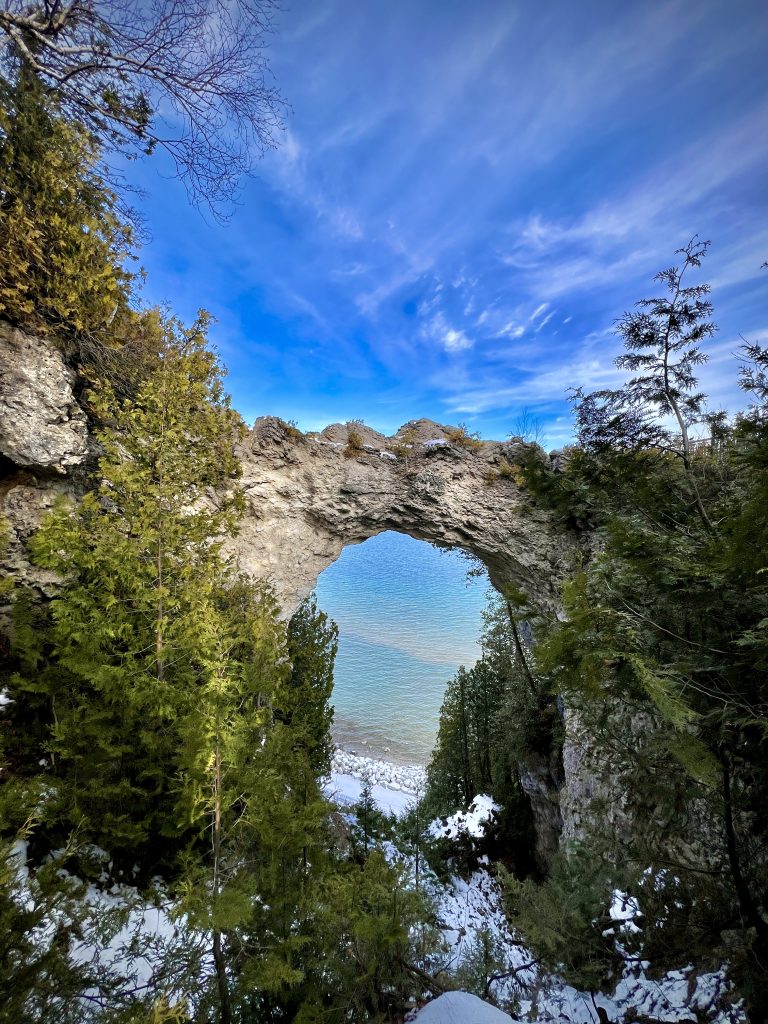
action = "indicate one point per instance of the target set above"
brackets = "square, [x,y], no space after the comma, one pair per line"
[463,203]
[453,339]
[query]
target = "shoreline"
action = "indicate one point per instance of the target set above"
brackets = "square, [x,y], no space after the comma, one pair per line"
[399,778]
[361,741]
[394,788]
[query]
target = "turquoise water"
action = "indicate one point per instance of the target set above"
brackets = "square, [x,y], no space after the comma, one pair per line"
[407,619]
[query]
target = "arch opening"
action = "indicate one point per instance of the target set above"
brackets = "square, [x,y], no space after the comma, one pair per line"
[408,617]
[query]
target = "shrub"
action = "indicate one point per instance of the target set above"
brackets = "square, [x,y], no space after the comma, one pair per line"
[461,436]
[404,445]
[506,469]
[290,428]
[355,443]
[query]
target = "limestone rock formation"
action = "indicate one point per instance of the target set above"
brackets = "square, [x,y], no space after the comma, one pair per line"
[308,497]
[41,424]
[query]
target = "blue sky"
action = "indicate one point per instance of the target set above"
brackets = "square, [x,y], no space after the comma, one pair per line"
[467,196]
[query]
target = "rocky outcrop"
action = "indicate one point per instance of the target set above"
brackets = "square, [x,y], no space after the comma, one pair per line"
[310,496]
[41,425]
[542,781]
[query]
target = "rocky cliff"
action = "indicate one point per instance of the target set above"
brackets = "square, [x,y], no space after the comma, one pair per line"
[310,496]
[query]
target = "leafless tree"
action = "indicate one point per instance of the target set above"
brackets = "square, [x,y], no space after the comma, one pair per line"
[528,427]
[189,76]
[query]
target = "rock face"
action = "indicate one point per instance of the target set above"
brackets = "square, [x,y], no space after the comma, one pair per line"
[41,424]
[308,497]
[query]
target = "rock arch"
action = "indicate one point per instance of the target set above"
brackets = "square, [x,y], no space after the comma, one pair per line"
[308,496]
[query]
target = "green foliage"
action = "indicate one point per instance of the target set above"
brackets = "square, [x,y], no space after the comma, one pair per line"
[117,665]
[662,646]
[565,919]
[505,469]
[38,979]
[484,960]
[405,444]
[291,428]
[370,825]
[364,928]
[305,702]
[159,708]
[62,241]
[493,717]
[355,441]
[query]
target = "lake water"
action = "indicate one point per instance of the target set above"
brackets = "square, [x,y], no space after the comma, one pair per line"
[407,619]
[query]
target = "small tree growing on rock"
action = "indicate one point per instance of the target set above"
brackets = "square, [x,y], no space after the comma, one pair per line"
[355,439]
[460,435]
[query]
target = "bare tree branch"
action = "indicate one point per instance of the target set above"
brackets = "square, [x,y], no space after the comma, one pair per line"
[189,76]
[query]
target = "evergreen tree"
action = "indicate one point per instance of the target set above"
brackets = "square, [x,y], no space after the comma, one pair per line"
[495,717]
[62,241]
[665,625]
[369,820]
[223,766]
[312,646]
[119,665]
[365,928]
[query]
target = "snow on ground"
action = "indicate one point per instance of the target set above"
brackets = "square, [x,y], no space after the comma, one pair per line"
[467,908]
[394,786]
[346,789]
[664,999]
[459,1008]
[471,822]
[127,936]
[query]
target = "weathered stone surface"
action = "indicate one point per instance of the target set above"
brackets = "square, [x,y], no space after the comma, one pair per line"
[24,500]
[307,500]
[41,424]
[541,779]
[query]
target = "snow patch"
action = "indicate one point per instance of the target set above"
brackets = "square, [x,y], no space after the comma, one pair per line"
[346,790]
[406,778]
[472,822]
[459,1008]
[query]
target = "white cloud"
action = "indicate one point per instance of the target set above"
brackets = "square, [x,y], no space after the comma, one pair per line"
[545,321]
[453,339]
[511,330]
